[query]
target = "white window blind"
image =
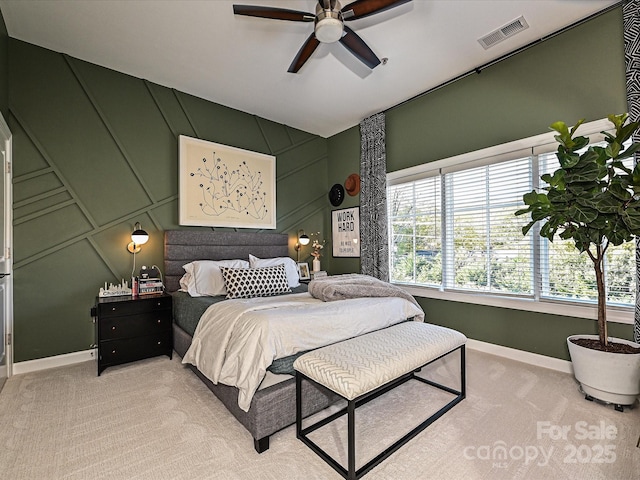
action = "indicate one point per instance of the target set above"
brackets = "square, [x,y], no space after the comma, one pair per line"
[416,231]
[568,275]
[452,226]
[486,250]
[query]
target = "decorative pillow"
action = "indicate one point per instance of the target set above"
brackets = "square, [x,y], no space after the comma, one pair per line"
[187,282]
[204,278]
[291,267]
[255,282]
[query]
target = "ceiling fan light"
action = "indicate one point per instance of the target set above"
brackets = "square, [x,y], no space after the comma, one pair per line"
[329,30]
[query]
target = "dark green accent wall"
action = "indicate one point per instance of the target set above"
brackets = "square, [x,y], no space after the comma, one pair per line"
[344,155]
[577,74]
[4,68]
[95,151]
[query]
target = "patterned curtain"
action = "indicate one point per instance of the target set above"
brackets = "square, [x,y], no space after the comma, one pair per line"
[374,247]
[631,23]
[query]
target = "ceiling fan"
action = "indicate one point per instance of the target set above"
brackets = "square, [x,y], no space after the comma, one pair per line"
[329,26]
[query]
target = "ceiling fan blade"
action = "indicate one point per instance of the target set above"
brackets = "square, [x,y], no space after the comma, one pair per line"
[360,49]
[364,8]
[273,12]
[304,53]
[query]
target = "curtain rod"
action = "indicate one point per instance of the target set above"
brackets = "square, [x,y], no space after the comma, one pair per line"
[478,70]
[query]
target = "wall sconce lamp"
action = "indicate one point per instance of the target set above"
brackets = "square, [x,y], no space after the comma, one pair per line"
[303,239]
[138,237]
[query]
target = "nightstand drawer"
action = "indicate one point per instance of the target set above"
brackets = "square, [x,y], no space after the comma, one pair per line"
[149,323]
[140,305]
[115,352]
[133,328]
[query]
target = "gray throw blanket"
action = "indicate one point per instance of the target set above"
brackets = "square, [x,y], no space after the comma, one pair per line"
[355,285]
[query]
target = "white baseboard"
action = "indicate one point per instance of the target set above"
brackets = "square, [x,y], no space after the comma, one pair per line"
[51,362]
[498,350]
[521,356]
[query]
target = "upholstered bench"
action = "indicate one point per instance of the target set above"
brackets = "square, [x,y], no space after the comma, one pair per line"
[362,368]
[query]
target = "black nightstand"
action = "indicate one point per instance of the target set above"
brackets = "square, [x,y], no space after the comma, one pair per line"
[130,329]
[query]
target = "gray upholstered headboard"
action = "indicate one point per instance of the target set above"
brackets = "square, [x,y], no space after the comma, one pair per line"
[184,246]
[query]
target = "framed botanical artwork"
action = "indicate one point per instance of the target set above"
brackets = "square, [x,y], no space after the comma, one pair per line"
[345,232]
[303,271]
[223,186]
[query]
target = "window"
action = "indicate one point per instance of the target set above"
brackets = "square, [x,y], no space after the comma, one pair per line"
[452,228]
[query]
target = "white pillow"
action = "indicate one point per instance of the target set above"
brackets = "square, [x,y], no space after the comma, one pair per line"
[204,277]
[187,283]
[290,267]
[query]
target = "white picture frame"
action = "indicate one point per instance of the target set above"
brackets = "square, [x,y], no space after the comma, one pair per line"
[345,232]
[303,271]
[223,186]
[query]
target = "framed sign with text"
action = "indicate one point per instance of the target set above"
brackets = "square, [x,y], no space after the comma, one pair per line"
[345,232]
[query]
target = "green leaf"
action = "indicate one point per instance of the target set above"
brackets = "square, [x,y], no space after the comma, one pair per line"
[602,154]
[557,180]
[579,143]
[555,196]
[619,192]
[624,133]
[618,120]
[631,218]
[561,128]
[530,198]
[600,223]
[547,231]
[566,234]
[620,166]
[575,127]
[567,158]
[581,189]
[613,149]
[539,214]
[580,213]
[619,236]
[527,227]
[636,174]
[633,148]
[589,173]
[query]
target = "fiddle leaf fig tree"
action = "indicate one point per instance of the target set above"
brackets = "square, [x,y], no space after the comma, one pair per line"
[592,199]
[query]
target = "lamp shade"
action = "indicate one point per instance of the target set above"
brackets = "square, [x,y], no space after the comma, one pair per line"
[328,30]
[139,236]
[304,239]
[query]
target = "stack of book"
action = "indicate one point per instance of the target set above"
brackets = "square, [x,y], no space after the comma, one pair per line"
[149,285]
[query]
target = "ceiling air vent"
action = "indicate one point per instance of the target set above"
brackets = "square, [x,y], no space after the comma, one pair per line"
[504,32]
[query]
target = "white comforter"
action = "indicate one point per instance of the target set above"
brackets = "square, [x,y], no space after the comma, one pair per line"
[236,340]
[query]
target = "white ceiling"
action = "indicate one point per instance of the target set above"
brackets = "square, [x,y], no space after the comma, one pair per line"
[200,47]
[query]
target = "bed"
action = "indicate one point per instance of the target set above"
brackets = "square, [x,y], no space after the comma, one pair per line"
[272,406]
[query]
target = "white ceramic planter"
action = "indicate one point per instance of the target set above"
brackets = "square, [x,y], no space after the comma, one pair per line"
[610,377]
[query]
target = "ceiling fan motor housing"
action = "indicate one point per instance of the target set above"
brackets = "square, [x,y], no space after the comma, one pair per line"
[328,22]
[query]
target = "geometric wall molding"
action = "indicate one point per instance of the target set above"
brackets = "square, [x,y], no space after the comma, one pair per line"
[95,151]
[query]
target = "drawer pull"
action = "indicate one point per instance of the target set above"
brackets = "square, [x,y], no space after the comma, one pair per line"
[113,309]
[159,343]
[113,328]
[159,303]
[113,351]
[159,321]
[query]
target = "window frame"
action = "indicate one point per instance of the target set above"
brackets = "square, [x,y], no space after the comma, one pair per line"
[542,143]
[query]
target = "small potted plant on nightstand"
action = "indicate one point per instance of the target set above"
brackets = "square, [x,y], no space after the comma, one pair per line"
[594,200]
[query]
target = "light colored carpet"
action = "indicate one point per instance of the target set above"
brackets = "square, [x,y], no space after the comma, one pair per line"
[155,420]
